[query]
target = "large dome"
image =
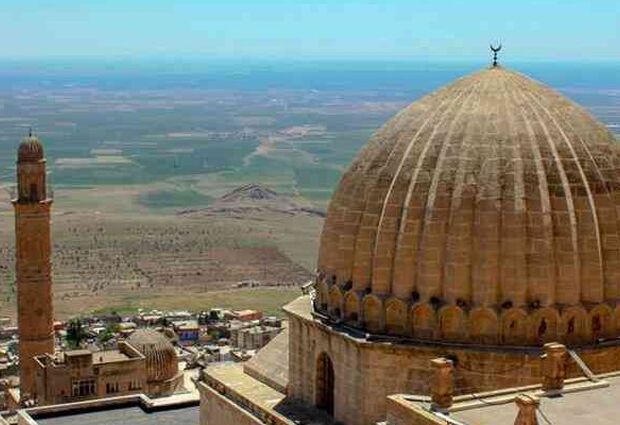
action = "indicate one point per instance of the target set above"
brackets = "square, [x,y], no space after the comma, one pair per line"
[485,212]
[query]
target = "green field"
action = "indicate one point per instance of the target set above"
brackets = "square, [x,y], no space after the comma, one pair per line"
[268,300]
[174,198]
[211,138]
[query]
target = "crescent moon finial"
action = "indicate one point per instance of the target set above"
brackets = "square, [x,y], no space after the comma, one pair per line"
[495,50]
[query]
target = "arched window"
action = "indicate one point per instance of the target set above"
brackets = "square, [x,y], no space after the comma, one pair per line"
[34,196]
[325,383]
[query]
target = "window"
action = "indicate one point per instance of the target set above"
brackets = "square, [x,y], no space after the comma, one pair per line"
[111,387]
[134,385]
[34,196]
[83,387]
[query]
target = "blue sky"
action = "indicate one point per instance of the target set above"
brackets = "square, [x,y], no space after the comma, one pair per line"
[341,29]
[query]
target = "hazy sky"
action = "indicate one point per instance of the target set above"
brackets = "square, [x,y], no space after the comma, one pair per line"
[529,29]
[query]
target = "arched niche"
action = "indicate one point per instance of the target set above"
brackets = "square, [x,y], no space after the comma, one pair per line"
[325,381]
[484,326]
[352,307]
[396,317]
[452,323]
[543,326]
[575,326]
[513,325]
[602,322]
[372,314]
[423,321]
[335,302]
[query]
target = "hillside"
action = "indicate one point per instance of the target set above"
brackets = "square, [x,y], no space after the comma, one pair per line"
[255,198]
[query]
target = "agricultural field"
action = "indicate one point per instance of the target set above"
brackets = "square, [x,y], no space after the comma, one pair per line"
[143,164]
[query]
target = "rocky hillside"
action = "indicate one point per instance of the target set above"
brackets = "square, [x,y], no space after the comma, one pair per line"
[255,198]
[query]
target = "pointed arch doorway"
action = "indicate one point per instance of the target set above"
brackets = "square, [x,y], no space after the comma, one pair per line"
[325,383]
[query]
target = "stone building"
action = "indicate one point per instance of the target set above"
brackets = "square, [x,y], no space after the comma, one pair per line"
[145,363]
[35,314]
[476,227]
[253,337]
[78,375]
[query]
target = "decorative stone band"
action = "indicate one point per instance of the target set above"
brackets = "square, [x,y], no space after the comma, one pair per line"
[572,325]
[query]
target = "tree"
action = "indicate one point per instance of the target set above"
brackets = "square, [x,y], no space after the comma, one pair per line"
[75,333]
[110,332]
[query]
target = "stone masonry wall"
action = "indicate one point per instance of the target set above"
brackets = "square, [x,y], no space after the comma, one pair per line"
[215,409]
[366,373]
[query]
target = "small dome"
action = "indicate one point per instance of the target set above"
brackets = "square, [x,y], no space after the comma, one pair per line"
[161,357]
[30,150]
[487,208]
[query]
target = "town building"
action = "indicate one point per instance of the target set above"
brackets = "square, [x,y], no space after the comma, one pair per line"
[471,242]
[253,337]
[145,363]
[246,315]
[78,375]
[188,331]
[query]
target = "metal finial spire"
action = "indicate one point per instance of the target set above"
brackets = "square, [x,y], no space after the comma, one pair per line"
[29,131]
[495,50]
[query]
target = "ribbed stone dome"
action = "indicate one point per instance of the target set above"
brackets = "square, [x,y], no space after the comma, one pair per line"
[30,150]
[161,357]
[485,211]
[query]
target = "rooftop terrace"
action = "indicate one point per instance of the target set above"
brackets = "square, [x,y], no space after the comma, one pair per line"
[581,401]
[132,415]
[268,404]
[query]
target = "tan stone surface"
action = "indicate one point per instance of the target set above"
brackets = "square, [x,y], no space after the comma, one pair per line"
[232,375]
[492,201]
[402,412]
[527,405]
[161,357]
[229,395]
[114,373]
[367,370]
[32,256]
[442,384]
[597,406]
[270,364]
[215,409]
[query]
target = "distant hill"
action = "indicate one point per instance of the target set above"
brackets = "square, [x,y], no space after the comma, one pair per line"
[254,198]
[250,191]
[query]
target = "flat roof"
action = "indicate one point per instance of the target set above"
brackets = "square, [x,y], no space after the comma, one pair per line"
[246,311]
[81,352]
[595,405]
[581,401]
[232,376]
[109,356]
[133,415]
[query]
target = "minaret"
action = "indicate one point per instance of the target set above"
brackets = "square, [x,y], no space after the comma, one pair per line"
[32,261]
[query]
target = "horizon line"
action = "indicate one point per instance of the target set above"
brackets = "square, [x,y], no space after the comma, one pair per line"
[203,58]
